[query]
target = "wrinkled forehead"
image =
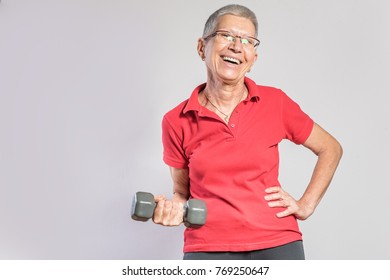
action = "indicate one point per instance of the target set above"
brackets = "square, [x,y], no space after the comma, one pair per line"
[236,24]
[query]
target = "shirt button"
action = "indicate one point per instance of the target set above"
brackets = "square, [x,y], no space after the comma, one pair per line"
[232,125]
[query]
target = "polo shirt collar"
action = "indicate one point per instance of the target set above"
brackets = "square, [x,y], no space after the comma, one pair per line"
[193,102]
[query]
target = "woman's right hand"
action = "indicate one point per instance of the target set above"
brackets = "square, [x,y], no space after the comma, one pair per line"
[168,212]
[171,212]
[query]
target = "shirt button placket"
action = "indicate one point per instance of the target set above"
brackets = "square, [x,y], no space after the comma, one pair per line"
[233,123]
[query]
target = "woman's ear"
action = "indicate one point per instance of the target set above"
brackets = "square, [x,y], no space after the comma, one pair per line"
[254,60]
[200,48]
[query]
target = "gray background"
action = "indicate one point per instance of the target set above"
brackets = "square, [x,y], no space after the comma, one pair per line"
[84,85]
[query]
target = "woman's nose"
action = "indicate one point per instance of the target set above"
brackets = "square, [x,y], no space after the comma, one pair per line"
[236,45]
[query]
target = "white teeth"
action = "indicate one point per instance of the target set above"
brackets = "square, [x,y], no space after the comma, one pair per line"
[231,59]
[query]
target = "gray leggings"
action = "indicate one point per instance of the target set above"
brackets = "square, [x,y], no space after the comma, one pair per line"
[289,251]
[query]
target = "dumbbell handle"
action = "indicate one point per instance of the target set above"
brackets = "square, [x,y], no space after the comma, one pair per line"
[195,210]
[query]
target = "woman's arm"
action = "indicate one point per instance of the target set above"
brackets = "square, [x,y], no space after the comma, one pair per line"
[170,212]
[329,152]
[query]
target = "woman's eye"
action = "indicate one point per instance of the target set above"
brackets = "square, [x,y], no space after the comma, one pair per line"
[229,37]
[245,41]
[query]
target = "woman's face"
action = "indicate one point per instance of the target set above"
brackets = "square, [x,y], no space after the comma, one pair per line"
[229,61]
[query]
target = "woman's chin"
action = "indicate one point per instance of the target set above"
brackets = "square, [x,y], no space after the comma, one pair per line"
[229,74]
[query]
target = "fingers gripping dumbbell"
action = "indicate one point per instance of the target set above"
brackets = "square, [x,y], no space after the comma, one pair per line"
[195,210]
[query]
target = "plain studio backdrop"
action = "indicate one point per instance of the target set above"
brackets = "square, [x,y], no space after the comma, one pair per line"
[83,88]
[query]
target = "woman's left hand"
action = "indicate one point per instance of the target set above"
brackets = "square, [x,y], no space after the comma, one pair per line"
[277,197]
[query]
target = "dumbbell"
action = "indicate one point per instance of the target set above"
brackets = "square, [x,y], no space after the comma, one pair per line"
[195,210]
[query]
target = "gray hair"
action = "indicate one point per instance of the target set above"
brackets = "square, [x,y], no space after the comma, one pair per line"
[236,10]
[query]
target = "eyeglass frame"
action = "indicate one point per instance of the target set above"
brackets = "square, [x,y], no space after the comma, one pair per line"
[255,45]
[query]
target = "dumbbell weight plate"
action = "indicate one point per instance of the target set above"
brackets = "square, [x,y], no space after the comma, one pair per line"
[143,206]
[195,214]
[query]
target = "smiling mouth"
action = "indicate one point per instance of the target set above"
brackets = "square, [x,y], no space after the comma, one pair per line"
[231,60]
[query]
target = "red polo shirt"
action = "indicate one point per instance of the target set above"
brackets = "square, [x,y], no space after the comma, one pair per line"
[230,166]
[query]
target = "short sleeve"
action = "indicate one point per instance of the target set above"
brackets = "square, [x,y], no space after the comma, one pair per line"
[173,152]
[296,123]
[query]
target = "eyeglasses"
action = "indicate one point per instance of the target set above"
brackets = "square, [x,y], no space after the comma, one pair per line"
[225,37]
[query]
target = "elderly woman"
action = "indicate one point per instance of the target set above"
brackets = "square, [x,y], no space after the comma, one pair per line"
[221,146]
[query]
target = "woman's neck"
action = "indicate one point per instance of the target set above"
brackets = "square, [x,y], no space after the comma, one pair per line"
[224,94]
[222,99]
